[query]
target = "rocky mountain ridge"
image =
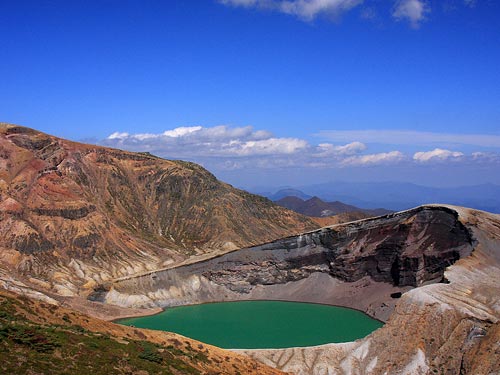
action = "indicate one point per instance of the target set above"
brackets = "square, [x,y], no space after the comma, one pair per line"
[74,215]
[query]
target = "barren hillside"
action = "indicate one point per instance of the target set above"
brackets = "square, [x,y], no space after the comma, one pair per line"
[74,214]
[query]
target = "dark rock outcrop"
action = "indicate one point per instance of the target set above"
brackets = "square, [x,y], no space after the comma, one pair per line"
[31,243]
[407,249]
[67,213]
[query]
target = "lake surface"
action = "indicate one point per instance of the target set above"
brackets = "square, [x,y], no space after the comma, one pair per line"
[261,324]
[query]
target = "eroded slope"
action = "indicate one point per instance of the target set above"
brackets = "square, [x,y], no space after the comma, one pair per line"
[74,214]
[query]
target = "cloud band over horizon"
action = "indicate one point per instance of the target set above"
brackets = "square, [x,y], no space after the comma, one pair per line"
[228,148]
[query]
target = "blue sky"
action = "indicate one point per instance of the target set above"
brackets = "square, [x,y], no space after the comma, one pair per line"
[266,91]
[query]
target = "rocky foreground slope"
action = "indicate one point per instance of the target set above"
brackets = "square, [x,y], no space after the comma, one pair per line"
[45,339]
[445,261]
[73,215]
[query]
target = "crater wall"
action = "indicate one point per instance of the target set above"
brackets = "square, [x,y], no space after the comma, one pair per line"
[357,265]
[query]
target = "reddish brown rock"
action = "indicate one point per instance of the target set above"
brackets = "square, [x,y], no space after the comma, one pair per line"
[91,213]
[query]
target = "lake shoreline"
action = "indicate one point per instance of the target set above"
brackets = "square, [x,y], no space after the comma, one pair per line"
[257,324]
[159,310]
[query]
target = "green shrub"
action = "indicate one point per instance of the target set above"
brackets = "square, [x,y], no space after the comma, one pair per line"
[150,353]
[34,338]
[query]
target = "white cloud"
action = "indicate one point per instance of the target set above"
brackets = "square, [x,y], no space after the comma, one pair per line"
[328,149]
[373,159]
[351,148]
[410,137]
[143,136]
[304,9]
[181,131]
[271,146]
[437,154]
[118,135]
[485,157]
[412,10]
[196,133]
[309,9]
[211,141]
[470,3]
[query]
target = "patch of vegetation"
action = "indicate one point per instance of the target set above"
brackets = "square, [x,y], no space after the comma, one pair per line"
[28,347]
[150,353]
[33,338]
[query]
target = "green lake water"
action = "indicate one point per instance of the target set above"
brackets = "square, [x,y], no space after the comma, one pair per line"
[261,324]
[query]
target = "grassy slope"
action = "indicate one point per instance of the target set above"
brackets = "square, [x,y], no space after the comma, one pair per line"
[38,338]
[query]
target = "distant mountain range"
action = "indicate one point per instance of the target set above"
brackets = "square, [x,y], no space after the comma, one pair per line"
[392,195]
[318,208]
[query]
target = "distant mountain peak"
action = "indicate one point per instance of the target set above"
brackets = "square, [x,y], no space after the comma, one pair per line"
[316,207]
[315,199]
[289,192]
